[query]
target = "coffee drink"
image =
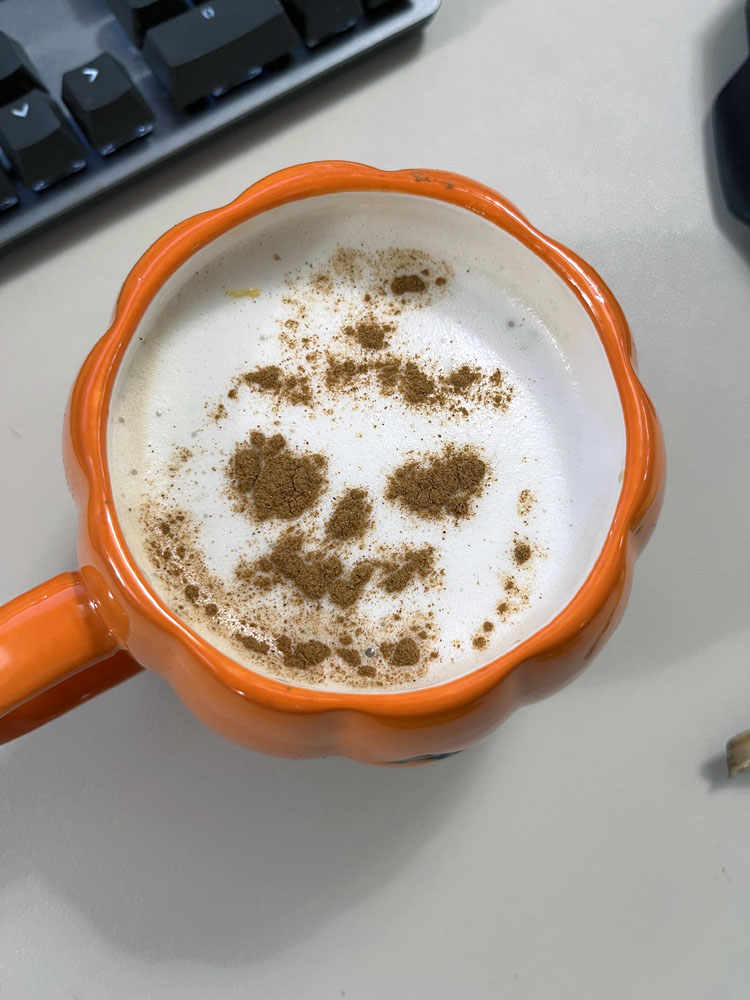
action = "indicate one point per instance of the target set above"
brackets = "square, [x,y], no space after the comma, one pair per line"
[365,442]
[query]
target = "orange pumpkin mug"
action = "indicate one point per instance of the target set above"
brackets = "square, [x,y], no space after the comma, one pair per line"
[84,631]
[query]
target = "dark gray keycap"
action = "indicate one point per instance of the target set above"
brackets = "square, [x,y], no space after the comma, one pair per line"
[8,195]
[317,20]
[17,75]
[39,141]
[106,104]
[731,127]
[217,45]
[137,16]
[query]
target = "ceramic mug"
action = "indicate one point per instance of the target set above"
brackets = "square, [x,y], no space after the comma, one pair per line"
[84,631]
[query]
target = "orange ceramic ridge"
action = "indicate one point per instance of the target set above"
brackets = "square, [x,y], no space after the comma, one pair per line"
[83,632]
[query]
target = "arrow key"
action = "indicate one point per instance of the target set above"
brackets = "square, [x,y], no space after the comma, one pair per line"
[106,104]
[39,141]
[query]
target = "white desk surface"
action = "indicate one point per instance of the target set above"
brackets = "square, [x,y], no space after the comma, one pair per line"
[591,848]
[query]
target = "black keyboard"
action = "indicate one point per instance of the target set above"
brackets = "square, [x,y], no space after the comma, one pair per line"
[95,92]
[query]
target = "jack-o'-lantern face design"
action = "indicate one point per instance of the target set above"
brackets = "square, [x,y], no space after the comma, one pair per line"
[360,487]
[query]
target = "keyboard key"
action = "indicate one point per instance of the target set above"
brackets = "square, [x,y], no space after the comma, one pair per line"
[106,104]
[17,75]
[217,45]
[8,196]
[317,20]
[38,141]
[137,16]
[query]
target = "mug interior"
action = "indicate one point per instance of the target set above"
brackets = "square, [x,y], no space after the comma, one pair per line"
[561,438]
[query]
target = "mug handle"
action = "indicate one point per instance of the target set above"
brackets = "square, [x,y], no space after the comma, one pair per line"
[55,653]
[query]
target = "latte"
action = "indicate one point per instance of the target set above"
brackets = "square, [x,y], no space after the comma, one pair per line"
[365,441]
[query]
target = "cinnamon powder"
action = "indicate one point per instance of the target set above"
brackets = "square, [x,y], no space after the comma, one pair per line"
[303,655]
[405,653]
[292,389]
[399,575]
[416,387]
[407,283]
[350,516]
[313,573]
[369,333]
[521,553]
[440,486]
[345,591]
[463,378]
[252,644]
[273,482]
[349,656]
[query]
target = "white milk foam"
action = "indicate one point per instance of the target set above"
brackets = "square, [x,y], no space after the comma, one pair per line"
[558,445]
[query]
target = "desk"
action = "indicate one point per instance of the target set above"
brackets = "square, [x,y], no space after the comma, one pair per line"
[592,847]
